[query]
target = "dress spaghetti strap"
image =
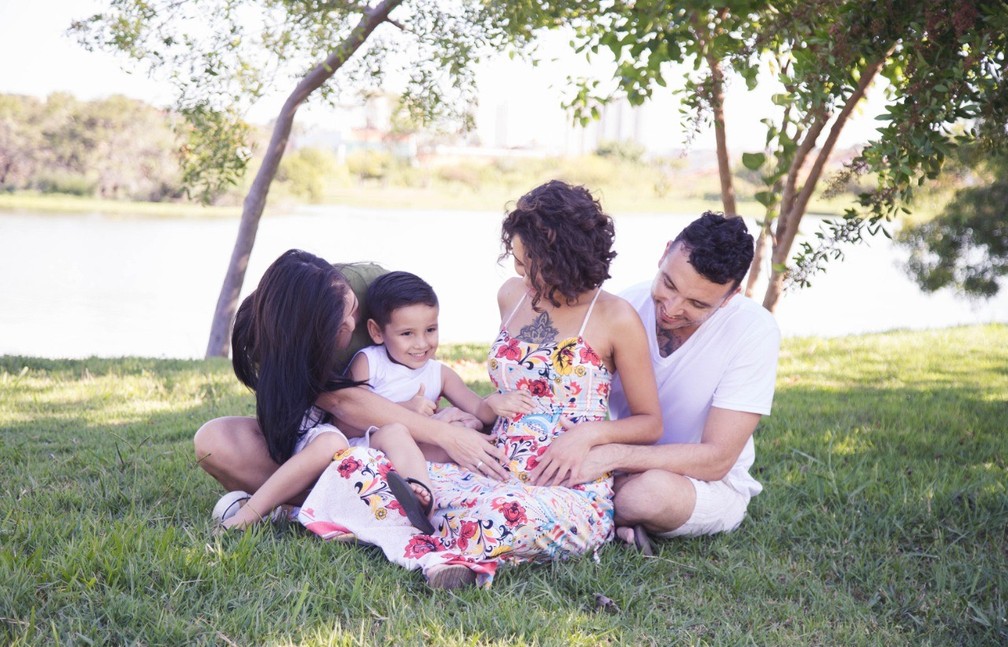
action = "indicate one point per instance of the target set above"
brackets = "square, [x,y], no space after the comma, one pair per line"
[511,316]
[591,307]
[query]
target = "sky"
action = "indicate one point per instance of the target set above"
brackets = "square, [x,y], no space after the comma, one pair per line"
[519,105]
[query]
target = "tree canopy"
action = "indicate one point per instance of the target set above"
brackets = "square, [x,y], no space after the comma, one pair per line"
[223,55]
[943,63]
[113,147]
[966,247]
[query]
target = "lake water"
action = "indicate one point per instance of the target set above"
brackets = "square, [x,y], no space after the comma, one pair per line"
[83,285]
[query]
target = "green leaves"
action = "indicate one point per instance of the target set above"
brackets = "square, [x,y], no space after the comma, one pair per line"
[215,151]
[753,161]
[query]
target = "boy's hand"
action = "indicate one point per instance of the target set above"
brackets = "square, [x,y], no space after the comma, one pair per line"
[420,404]
[459,417]
[511,404]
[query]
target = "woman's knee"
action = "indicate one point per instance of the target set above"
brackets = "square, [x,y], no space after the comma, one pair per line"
[225,443]
[208,438]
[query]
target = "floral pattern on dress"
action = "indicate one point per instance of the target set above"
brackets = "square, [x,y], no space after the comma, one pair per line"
[479,521]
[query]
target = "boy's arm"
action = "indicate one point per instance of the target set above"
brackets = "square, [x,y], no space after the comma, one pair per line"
[461,396]
[487,409]
[359,369]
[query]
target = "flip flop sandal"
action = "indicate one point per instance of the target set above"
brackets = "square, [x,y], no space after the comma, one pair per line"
[642,541]
[450,576]
[416,512]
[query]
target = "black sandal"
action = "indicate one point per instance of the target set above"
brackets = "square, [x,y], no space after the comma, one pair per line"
[642,542]
[416,512]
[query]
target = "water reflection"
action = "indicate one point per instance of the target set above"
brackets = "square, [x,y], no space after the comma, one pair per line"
[74,286]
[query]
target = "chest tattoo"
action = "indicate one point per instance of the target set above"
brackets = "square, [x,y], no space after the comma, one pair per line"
[667,342]
[540,331]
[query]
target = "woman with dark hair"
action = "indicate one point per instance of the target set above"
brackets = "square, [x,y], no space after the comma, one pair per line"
[286,345]
[562,338]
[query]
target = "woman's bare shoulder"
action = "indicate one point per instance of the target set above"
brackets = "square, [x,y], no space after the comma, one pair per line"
[615,308]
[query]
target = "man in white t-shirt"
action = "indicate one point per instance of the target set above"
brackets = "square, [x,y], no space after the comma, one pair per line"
[714,353]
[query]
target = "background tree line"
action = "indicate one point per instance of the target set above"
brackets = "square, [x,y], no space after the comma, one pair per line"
[112,148]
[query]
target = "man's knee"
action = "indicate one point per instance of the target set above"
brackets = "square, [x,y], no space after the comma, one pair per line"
[659,499]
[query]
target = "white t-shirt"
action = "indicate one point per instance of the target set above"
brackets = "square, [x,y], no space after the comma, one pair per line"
[399,383]
[729,362]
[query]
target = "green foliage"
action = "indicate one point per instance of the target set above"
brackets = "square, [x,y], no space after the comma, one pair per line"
[112,148]
[882,521]
[370,164]
[307,171]
[215,153]
[625,150]
[247,48]
[943,61]
[947,89]
[966,247]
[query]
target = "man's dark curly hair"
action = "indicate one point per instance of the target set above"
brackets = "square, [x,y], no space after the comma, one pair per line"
[720,247]
[567,238]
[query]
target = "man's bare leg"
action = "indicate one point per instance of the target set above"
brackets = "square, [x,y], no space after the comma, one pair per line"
[658,500]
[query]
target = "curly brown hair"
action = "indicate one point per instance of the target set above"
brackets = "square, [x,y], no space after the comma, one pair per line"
[567,237]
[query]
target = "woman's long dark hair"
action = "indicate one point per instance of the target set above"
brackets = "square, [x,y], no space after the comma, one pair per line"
[283,343]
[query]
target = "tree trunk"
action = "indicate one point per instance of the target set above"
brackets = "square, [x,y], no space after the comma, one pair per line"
[758,255]
[794,202]
[716,99]
[252,209]
[720,137]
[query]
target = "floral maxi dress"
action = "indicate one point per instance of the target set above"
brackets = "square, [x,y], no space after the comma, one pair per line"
[480,521]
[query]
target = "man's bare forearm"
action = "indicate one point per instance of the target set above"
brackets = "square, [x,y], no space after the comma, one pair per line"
[697,460]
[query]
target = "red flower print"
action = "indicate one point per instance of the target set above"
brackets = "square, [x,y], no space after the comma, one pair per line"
[384,467]
[603,389]
[539,388]
[513,512]
[589,356]
[511,351]
[348,466]
[420,545]
[574,388]
[466,532]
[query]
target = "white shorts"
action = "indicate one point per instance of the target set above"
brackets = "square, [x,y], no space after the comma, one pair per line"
[326,428]
[719,508]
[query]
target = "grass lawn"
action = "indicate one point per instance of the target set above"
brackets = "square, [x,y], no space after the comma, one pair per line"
[884,521]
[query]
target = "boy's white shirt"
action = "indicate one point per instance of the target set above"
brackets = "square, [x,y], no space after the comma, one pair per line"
[400,383]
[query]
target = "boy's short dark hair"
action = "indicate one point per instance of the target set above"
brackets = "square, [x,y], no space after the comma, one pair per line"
[720,247]
[395,290]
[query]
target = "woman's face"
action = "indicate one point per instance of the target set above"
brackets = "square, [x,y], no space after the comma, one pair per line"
[346,327]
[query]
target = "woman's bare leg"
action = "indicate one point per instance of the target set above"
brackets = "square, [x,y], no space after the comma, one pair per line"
[233,451]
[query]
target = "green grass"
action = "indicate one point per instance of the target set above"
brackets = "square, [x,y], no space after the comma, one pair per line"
[61,204]
[883,521]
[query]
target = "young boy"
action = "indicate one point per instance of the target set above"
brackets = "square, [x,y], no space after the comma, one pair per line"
[401,365]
